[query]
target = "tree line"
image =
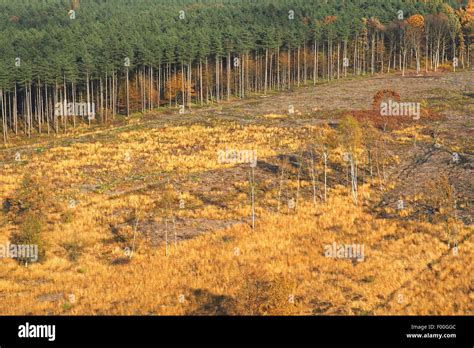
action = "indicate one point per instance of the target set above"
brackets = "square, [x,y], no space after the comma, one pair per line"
[126,56]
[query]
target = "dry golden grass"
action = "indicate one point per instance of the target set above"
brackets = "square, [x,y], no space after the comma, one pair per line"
[124,185]
[285,251]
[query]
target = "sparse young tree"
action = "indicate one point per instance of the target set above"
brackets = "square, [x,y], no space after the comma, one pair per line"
[351,141]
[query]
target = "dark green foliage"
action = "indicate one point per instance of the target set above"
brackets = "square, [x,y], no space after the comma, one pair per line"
[50,44]
[66,60]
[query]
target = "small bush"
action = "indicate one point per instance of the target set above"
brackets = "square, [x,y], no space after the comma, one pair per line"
[74,250]
[30,234]
[67,217]
[34,196]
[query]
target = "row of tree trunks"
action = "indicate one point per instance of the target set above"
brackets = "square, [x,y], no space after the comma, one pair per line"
[233,76]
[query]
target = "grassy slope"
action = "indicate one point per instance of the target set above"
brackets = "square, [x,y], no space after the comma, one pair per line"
[124,181]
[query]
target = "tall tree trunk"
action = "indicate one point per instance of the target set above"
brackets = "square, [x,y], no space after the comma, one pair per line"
[182,85]
[4,123]
[372,69]
[200,81]
[101,100]
[65,114]
[338,59]
[298,67]
[158,86]
[207,81]
[289,67]
[88,97]
[315,71]
[190,70]
[217,79]
[278,67]
[48,108]
[15,110]
[266,72]
[228,75]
